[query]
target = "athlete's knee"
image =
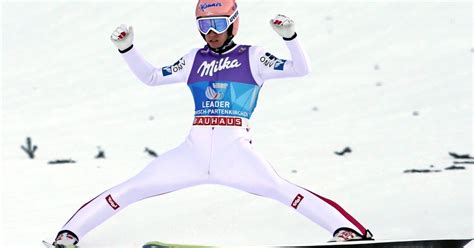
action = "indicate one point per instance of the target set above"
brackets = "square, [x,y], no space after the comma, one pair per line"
[284,192]
[271,188]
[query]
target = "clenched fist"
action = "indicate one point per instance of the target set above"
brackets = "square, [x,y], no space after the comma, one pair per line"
[122,37]
[284,26]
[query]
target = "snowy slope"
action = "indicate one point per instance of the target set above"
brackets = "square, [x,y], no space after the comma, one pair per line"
[374,65]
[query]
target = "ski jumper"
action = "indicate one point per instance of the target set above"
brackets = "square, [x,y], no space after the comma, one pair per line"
[218,149]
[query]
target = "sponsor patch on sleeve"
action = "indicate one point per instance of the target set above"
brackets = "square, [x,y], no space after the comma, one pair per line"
[297,201]
[174,68]
[271,61]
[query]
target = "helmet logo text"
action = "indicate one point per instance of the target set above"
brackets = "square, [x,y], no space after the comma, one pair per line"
[205,6]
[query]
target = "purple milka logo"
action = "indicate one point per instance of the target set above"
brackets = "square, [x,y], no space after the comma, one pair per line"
[208,69]
[205,6]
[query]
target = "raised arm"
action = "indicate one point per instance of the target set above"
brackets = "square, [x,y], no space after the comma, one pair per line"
[178,72]
[268,66]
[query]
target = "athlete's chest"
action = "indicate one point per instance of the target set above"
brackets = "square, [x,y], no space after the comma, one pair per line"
[233,66]
[223,85]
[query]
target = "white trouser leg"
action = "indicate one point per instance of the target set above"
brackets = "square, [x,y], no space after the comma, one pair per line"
[171,171]
[249,171]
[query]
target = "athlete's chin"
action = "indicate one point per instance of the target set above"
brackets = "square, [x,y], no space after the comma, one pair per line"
[215,44]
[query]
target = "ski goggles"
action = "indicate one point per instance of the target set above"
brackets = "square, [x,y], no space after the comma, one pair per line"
[218,24]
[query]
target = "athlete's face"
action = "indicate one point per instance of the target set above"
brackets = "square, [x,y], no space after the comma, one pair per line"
[215,40]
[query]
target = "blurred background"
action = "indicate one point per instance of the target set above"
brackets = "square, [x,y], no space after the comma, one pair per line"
[391,81]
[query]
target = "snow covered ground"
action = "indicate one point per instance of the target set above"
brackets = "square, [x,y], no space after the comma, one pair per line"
[392,80]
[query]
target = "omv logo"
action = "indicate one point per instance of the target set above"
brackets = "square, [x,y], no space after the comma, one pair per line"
[273,62]
[166,71]
[279,64]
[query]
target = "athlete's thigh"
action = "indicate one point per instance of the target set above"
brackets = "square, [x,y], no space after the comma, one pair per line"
[176,169]
[248,170]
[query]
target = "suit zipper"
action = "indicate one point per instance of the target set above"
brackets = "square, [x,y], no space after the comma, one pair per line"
[210,153]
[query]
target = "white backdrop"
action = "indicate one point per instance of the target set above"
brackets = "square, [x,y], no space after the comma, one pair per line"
[374,64]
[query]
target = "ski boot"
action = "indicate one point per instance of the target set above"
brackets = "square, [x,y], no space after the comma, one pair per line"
[65,239]
[345,234]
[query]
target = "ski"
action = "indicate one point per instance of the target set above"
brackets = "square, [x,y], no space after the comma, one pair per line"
[157,244]
[49,245]
[432,243]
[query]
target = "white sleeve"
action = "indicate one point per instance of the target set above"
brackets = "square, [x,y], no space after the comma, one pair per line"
[266,66]
[150,75]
